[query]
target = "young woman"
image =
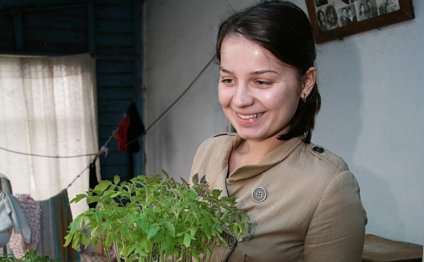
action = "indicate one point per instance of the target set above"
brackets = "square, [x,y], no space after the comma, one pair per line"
[303,201]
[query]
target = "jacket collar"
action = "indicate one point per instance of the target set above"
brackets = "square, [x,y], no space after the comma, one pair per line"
[271,159]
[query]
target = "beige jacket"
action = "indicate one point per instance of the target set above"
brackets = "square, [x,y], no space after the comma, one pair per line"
[303,202]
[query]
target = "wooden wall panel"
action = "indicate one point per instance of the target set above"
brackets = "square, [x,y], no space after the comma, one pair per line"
[7,35]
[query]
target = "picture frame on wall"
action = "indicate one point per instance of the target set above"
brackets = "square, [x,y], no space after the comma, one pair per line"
[336,19]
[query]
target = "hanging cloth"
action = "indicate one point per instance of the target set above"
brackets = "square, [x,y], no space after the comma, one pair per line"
[135,129]
[129,130]
[122,136]
[93,179]
[32,212]
[55,218]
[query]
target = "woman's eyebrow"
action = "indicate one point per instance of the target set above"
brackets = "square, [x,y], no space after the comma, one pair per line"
[258,72]
[225,70]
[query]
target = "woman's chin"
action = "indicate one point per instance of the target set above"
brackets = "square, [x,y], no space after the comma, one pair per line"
[248,134]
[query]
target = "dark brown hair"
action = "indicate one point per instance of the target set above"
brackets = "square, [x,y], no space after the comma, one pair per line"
[283,29]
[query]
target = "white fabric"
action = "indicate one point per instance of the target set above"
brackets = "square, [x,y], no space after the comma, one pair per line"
[47,107]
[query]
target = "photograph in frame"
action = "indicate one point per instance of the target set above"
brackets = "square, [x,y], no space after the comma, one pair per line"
[335,19]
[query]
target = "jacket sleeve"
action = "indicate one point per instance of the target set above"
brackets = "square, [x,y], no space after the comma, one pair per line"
[337,229]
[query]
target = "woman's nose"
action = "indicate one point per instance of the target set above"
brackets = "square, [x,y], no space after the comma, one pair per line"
[243,96]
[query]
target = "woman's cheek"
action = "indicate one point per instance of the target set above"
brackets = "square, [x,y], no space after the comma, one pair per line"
[224,97]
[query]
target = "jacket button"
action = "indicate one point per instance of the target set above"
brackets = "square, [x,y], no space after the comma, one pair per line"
[259,194]
[318,149]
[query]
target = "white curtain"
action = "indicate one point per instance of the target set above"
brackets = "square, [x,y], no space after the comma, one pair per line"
[47,108]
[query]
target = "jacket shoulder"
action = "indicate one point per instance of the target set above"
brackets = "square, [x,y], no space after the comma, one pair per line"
[210,153]
[217,139]
[216,142]
[328,157]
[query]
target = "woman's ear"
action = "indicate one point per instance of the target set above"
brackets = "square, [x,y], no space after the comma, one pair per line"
[308,82]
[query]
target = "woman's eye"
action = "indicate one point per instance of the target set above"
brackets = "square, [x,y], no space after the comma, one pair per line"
[227,81]
[263,83]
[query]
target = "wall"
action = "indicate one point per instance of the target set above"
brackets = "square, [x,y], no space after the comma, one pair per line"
[177,51]
[372,115]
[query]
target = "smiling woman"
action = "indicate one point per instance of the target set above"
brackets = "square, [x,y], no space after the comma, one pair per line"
[303,201]
[259,94]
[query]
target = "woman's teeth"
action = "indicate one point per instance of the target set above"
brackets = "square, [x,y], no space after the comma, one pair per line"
[248,116]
